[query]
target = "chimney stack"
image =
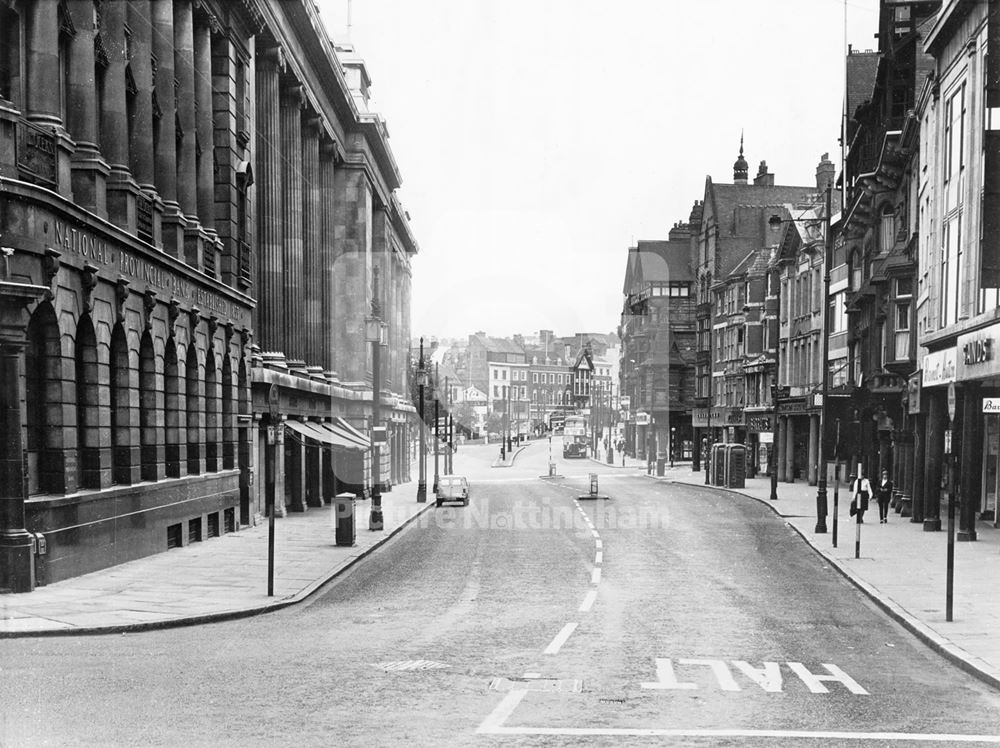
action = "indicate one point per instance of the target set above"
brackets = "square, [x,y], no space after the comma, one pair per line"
[826,173]
[763,176]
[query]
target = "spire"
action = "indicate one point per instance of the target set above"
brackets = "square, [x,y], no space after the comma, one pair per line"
[740,168]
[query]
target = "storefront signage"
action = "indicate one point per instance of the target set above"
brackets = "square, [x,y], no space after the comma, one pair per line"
[991,405]
[734,416]
[759,422]
[642,419]
[766,437]
[939,367]
[699,418]
[73,240]
[978,353]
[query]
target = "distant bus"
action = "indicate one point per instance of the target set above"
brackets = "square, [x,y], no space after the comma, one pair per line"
[576,438]
[557,422]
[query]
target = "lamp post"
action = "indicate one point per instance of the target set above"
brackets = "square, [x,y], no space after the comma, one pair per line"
[375,334]
[825,372]
[437,440]
[422,383]
[447,424]
[503,424]
[774,387]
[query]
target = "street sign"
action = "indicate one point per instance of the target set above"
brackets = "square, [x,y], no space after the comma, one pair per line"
[378,434]
[273,401]
[951,400]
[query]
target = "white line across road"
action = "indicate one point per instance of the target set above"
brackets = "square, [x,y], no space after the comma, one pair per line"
[560,639]
[493,726]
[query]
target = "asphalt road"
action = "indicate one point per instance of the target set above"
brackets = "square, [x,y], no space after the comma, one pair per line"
[668,614]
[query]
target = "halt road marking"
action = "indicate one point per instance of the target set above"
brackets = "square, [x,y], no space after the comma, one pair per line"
[588,601]
[767,677]
[560,639]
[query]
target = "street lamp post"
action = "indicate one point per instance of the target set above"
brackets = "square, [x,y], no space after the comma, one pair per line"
[437,440]
[774,388]
[447,425]
[375,334]
[825,372]
[422,383]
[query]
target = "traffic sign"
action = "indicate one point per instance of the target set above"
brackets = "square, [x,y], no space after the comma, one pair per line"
[951,400]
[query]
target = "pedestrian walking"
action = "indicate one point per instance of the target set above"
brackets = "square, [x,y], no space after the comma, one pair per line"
[883,493]
[861,491]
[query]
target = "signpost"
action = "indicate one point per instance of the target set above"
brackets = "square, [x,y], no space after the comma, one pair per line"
[952,481]
[274,411]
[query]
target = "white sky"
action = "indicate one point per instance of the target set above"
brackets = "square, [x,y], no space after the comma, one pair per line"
[538,139]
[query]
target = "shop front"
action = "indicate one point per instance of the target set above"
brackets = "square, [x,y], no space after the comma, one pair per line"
[759,440]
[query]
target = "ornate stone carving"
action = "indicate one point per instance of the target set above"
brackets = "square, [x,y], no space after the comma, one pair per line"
[148,305]
[194,317]
[213,325]
[173,314]
[88,280]
[121,296]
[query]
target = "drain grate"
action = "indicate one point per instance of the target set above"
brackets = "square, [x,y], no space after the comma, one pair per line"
[566,685]
[611,700]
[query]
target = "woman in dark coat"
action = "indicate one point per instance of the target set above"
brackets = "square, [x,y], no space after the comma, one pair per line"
[883,492]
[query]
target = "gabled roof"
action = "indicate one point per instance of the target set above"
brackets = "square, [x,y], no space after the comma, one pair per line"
[862,70]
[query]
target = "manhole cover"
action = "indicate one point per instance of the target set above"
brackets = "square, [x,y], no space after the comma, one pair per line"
[565,685]
[409,665]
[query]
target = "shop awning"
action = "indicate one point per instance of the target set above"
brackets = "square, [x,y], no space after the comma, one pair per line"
[347,431]
[351,432]
[340,438]
[316,431]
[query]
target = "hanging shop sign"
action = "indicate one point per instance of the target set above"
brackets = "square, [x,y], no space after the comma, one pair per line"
[759,422]
[979,353]
[939,367]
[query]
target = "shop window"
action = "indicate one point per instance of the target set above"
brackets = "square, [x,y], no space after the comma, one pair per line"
[194,410]
[149,409]
[228,425]
[212,407]
[43,385]
[173,409]
[87,404]
[121,408]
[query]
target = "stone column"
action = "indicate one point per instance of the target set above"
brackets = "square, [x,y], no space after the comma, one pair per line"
[17,558]
[204,121]
[936,423]
[270,312]
[351,282]
[42,58]
[790,449]
[971,452]
[295,467]
[312,242]
[917,469]
[187,141]
[149,207]
[314,475]
[165,146]
[114,119]
[90,171]
[811,469]
[293,334]
[327,251]
[906,477]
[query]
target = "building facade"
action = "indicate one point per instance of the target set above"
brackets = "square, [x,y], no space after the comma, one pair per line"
[164,163]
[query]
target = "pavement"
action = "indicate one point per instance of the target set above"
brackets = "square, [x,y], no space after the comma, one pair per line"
[902,568]
[217,579]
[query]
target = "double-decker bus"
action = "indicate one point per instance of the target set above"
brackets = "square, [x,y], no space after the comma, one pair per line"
[576,437]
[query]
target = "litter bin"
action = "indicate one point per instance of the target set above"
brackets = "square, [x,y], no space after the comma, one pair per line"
[343,504]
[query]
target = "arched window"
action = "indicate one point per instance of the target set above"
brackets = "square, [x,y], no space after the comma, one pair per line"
[856,270]
[887,228]
[194,410]
[121,408]
[87,401]
[228,425]
[149,408]
[173,407]
[44,393]
[212,403]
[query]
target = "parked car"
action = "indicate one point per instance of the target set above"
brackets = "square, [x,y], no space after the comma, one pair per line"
[453,488]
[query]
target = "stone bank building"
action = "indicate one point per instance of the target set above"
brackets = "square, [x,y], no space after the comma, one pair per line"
[197,212]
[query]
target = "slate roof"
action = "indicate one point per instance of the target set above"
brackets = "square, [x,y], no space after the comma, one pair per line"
[862,69]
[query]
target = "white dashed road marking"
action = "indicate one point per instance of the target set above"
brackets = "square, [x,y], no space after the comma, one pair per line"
[560,639]
[599,557]
[595,576]
[588,601]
